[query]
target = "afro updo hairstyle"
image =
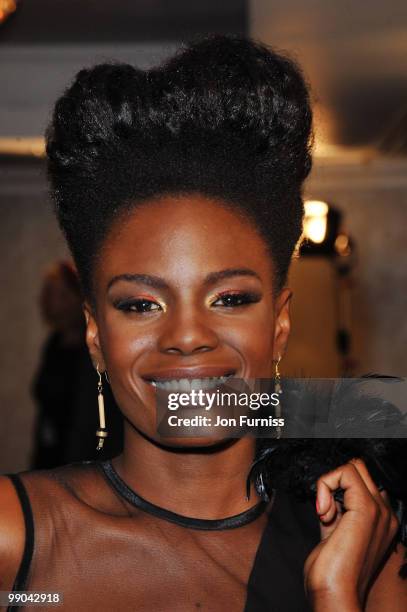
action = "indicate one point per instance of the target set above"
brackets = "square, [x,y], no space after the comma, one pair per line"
[225,117]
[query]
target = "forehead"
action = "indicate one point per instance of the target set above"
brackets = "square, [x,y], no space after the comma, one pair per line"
[182,238]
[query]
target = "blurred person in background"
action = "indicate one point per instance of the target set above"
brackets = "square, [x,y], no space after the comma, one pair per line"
[63,387]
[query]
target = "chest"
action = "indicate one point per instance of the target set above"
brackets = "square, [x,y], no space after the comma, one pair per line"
[157,566]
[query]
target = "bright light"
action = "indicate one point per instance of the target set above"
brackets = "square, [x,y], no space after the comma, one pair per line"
[342,245]
[315,220]
[6,8]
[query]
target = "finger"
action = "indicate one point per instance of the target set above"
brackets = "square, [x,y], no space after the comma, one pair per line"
[386,515]
[387,522]
[327,527]
[326,505]
[385,497]
[362,509]
[356,528]
[393,520]
[362,529]
[348,478]
[329,521]
[360,465]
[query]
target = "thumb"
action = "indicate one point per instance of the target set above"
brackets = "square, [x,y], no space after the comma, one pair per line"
[327,527]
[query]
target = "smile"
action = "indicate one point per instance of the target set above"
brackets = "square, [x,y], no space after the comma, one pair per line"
[187,385]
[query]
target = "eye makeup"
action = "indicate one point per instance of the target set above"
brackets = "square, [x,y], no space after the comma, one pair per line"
[233,298]
[140,304]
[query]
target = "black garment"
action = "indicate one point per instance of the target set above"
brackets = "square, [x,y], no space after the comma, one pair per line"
[91,544]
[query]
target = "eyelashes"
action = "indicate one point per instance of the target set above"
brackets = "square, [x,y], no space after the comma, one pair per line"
[226,299]
[233,299]
[140,305]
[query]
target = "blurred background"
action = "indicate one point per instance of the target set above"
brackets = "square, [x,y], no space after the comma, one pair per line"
[350,277]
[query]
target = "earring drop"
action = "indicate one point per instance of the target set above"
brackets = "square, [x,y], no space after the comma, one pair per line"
[102,432]
[277,378]
[278,389]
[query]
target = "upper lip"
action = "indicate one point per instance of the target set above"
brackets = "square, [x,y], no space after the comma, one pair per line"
[190,373]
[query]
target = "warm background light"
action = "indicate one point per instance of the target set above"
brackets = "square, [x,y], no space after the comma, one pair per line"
[6,8]
[315,220]
[342,245]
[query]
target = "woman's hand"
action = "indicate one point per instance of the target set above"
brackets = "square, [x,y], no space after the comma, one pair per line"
[339,571]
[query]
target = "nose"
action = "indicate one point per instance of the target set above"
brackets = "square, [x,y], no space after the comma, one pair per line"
[186,333]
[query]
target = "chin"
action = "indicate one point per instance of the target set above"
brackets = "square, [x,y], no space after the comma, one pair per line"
[198,443]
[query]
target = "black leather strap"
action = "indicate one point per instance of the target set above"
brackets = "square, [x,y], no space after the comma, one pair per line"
[231,522]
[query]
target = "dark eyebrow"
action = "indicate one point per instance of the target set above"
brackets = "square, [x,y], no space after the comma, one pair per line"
[159,283]
[214,277]
[145,279]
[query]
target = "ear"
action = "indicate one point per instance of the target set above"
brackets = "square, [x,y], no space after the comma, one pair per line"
[92,338]
[283,324]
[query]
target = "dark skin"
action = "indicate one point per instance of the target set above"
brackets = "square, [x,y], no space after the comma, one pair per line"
[187,332]
[189,315]
[205,305]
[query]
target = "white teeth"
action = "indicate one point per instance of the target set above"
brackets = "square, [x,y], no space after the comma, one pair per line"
[183,384]
[186,385]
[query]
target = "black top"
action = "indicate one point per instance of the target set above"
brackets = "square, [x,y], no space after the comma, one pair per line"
[20,581]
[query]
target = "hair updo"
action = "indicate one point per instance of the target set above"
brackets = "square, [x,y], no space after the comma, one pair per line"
[225,117]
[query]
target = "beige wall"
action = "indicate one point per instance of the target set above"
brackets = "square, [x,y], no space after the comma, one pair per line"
[353,55]
[311,350]
[373,197]
[29,241]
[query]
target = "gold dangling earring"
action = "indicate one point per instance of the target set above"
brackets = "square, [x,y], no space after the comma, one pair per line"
[278,389]
[102,432]
[277,377]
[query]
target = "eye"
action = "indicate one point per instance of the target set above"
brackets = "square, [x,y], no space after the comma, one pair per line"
[231,299]
[139,306]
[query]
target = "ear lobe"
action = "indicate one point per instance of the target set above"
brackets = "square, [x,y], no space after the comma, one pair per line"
[283,323]
[92,338]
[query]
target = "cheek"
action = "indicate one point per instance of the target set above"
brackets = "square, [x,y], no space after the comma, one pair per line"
[123,347]
[252,337]
[123,344]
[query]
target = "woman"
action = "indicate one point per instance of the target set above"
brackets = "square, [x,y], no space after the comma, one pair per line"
[179,192]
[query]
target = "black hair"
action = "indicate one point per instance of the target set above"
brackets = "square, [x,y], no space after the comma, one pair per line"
[225,117]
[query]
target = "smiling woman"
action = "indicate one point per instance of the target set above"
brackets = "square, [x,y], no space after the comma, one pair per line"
[200,309]
[179,192]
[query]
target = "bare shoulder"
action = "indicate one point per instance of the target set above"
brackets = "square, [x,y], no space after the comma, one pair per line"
[12,533]
[389,590]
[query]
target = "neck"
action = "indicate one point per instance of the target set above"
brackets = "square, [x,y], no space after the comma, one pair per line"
[199,484]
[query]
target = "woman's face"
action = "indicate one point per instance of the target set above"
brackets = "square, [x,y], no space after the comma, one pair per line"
[183,291]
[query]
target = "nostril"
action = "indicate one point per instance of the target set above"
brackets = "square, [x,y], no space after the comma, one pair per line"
[173,351]
[185,351]
[183,338]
